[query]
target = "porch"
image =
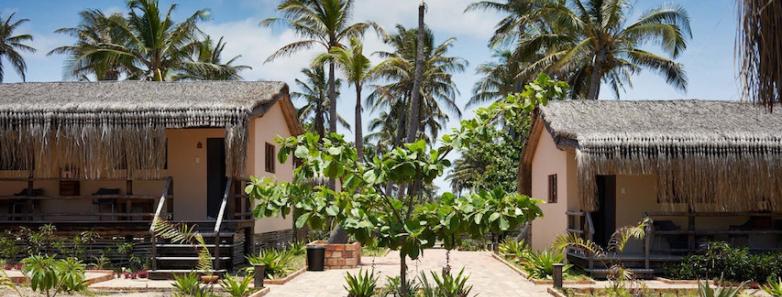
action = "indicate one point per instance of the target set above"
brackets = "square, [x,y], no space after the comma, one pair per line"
[670,235]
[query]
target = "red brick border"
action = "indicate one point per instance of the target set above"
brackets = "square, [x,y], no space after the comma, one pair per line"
[341,256]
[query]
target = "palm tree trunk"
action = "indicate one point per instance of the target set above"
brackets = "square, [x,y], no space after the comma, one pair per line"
[319,124]
[359,132]
[332,99]
[597,75]
[415,105]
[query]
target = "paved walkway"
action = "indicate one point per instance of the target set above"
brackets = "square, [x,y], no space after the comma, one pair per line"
[488,276]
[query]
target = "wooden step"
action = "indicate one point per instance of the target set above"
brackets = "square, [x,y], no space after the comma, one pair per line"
[167,274]
[188,258]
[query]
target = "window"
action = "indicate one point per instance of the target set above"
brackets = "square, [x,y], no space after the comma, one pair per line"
[270,158]
[552,188]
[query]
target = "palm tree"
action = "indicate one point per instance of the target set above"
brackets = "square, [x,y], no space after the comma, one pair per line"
[418,76]
[85,60]
[521,17]
[205,63]
[590,43]
[324,23]
[759,51]
[155,41]
[499,79]
[357,69]
[313,91]
[438,91]
[11,45]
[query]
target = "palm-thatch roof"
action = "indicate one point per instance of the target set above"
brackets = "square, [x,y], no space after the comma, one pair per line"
[715,155]
[98,126]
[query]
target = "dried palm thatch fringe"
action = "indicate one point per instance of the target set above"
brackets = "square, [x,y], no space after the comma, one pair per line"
[759,50]
[93,129]
[706,155]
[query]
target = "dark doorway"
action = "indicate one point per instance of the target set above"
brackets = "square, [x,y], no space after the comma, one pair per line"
[215,175]
[605,216]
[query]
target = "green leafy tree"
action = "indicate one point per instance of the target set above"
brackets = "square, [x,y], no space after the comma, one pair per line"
[11,45]
[485,140]
[368,212]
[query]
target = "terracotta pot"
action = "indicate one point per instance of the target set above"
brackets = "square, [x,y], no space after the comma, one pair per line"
[143,274]
[210,279]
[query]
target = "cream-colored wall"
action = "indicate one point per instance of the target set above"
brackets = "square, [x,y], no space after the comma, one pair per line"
[187,167]
[550,160]
[262,130]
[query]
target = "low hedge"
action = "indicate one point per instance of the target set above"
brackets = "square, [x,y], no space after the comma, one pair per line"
[720,260]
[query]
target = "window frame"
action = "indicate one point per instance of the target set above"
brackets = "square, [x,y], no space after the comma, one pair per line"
[553,189]
[270,161]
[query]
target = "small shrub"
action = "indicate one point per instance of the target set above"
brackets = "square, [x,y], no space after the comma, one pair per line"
[235,287]
[8,248]
[297,248]
[363,284]
[540,265]
[189,285]
[445,285]
[773,287]
[49,276]
[276,262]
[470,244]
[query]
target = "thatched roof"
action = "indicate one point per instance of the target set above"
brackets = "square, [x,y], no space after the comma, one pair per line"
[98,126]
[594,124]
[175,104]
[728,154]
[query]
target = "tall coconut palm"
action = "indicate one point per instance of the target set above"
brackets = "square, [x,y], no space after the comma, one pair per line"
[418,76]
[205,63]
[498,79]
[357,70]
[320,23]
[438,91]
[593,42]
[519,18]
[758,45]
[85,60]
[154,40]
[312,90]
[11,45]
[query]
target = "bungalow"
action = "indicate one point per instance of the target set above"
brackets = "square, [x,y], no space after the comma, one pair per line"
[113,156]
[701,171]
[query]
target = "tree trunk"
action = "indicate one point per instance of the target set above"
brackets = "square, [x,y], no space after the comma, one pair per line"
[597,75]
[319,120]
[359,132]
[332,99]
[415,105]
[403,275]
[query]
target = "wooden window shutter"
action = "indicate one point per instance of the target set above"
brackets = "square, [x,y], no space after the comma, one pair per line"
[552,188]
[270,157]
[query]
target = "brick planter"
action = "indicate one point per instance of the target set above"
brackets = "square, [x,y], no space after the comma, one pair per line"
[341,256]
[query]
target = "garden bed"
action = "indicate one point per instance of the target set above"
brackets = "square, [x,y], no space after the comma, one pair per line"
[91,276]
[574,280]
[285,279]
[589,292]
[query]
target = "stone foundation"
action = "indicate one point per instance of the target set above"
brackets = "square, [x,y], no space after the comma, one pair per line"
[341,256]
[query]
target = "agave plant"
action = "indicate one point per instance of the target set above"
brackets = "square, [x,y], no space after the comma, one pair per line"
[236,287]
[275,262]
[540,265]
[705,290]
[773,287]
[513,249]
[445,285]
[393,287]
[363,284]
[189,285]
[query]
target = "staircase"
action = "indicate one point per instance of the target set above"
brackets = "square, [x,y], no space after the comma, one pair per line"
[176,259]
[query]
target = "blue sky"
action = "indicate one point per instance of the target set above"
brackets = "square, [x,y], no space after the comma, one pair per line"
[708,60]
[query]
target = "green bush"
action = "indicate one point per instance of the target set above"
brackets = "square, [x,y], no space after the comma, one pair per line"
[720,260]
[235,287]
[394,286]
[189,285]
[773,287]
[363,284]
[50,276]
[513,249]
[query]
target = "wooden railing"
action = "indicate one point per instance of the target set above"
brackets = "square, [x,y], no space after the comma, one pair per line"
[219,222]
[160,206]
[580,222]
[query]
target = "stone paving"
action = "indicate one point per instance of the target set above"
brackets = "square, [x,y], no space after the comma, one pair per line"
[488,276]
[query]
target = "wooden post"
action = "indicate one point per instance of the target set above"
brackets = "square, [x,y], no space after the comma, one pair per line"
[217,251]
[557,275]
[260,271]
[691,232]
[647,244]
